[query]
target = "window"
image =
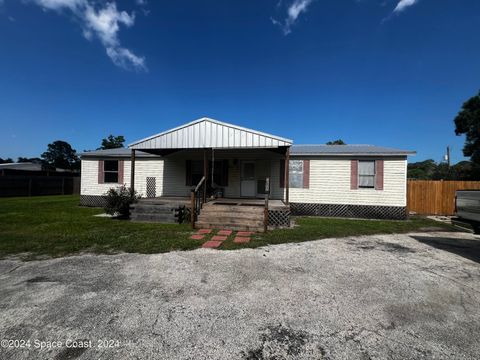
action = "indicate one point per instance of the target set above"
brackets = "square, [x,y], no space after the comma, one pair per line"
[366,174]
[295,172]
[197,171]
[220,172]
[110,171]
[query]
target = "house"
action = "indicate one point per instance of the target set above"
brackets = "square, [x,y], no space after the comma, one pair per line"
[231,165]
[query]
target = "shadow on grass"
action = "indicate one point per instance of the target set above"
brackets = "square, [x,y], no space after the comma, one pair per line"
[469,249]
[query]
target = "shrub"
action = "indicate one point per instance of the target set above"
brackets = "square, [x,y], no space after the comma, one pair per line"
[119,200]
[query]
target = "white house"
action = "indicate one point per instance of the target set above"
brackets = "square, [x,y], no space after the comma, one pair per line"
[325,180]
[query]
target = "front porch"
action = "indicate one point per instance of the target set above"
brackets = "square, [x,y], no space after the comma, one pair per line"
[222,168]
[222,213]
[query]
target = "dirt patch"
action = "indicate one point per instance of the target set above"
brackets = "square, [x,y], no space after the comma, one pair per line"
[280,342]
[70,353]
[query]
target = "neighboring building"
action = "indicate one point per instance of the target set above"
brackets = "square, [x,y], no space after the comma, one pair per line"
[324,180]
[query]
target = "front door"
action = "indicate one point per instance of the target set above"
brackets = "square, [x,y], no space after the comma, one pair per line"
[247,179]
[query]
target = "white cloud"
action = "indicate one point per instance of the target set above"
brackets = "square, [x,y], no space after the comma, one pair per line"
[102,22]
[296,8]
[403,4]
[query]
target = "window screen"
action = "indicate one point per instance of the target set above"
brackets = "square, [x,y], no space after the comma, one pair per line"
[366,174]
[110,171]
[296,173]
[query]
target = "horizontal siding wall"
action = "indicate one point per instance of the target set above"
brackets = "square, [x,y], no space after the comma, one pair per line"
[329,178]
[330,184]
[171,177]
[143,168]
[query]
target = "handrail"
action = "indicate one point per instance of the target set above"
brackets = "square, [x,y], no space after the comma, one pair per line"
[265,210]
[202,180]
[197,200]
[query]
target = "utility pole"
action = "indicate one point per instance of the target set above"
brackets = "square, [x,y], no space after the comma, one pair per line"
[448,156]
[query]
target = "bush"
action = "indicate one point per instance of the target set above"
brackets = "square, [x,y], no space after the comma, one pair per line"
[119,201]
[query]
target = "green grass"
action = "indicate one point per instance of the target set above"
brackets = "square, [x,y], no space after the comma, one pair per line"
[56,226]
[314,228]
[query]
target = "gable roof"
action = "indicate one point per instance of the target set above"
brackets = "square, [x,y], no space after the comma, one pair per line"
[345,150]
[210,133]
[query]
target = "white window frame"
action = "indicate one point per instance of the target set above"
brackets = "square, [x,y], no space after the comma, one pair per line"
[291,172]
[374,175]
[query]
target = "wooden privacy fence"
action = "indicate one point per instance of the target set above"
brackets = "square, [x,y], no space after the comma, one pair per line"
[38,185]
[435,197]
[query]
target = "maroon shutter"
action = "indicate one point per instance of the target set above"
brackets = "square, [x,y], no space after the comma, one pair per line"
[101,178]
[188,173]
[379,174]
[354,175]
[120,171]
[306,174]
[282,173]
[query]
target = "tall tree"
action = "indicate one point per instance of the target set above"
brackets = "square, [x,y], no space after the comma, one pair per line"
[468,122]
[6,161]
[112,142]
[60,154]
[336,142]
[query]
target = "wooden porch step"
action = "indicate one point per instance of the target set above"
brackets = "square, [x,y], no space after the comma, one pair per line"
[236,227]
[228,214]
[232,208]
[227,220]
[158,218]
[154,209]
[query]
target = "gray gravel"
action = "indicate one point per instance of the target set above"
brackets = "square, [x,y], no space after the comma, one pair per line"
[390,296]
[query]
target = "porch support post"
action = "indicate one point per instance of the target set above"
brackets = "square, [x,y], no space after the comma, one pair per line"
[287,177]
[205,174]
[132,173]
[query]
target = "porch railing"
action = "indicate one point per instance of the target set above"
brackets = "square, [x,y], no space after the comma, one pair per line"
[197,200]
[265,211]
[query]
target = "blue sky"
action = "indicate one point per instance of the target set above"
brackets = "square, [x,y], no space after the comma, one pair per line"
[385,72]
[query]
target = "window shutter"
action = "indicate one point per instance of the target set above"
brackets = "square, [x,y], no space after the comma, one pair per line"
[120,171]
[282,173]
[188,172]
[101,178]
[379,174]
[306,174]
[354,175]
[224,173]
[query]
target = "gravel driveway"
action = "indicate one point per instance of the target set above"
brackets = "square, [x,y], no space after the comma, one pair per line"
[373,297]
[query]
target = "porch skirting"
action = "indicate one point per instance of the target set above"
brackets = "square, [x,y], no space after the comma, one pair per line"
[92,200]
[350,211]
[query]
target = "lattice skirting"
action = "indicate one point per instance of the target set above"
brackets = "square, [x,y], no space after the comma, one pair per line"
[279,218]
[350,211]
[92,200]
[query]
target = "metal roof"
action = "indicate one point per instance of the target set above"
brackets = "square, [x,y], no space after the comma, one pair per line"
[210,133]
[345,150]
[296,150]
[115,153]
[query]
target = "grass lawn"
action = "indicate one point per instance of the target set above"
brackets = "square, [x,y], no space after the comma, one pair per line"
[56,226]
